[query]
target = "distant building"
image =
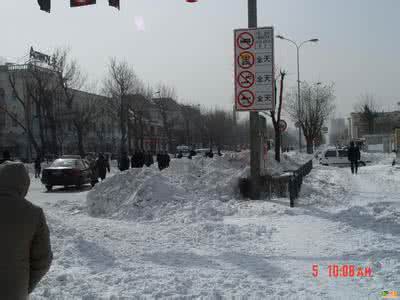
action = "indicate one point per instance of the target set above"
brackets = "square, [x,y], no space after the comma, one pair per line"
[378,136]
[338,133]
[18,111]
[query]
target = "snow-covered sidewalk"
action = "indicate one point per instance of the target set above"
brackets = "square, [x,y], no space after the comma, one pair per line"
[196,239]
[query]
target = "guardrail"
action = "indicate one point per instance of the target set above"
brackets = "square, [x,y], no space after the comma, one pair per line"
[286,185]
[296,180]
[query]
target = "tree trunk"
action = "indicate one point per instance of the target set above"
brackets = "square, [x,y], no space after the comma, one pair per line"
[277,145]
[310,147]
[53,129]
[122,128]
[80,142]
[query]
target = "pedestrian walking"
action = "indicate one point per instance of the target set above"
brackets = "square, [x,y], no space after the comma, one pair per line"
[167,159]
[134,160]
[148,159]
[159,161]
[102,166]
[94,174]
[25,252]
[354,156]
[38,167]
[138,159]
[123,163]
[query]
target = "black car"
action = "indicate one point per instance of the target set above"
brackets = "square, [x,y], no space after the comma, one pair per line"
[66,172]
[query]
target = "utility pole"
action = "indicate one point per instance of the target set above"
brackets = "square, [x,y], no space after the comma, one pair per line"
[298,93]
[254,122]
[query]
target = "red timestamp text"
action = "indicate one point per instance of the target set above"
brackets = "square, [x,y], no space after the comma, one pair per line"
[343,271]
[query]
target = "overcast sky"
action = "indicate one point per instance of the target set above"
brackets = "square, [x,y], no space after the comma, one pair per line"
[190,46]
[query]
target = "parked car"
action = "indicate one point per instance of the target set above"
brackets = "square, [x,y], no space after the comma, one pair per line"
[71,156]
[185,150]
[337,157]
[67,172]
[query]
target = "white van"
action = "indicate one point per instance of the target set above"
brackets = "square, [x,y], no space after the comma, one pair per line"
[337,157]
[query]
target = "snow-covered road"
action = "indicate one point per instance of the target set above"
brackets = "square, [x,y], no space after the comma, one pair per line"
[257,249]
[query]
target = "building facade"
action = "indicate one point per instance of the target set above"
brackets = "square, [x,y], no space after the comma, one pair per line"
[378,133]
[23,124]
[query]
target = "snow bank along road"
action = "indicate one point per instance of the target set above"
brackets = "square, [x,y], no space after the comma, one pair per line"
[184,234]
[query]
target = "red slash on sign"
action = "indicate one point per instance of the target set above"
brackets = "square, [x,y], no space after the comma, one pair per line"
[246,98]
[245,40]
[246,79]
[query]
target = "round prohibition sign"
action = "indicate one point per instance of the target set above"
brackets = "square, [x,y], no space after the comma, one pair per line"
[246,98]
[246,79]
[246,60]
[245,40]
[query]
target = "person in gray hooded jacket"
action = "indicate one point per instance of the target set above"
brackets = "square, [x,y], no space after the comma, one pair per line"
[25,251]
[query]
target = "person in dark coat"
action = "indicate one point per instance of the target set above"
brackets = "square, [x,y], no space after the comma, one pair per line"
[123,163]
[159,161]
[94,174]
[134,160]
[219,152]
[25,252]
[163,160]
[6,156]
[102,166]
[167,159]
[353,154]
[148,159]
[107,158]
[38,167]
[140,159]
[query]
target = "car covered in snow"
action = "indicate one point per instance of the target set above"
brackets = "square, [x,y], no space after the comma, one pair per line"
[67,172]
[337,157]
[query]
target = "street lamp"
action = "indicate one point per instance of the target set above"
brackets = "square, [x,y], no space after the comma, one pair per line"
[298,72]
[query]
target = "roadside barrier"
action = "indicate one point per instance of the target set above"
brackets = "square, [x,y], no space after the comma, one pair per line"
[286,185]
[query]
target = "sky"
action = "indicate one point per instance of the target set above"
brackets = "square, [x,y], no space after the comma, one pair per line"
[190,45]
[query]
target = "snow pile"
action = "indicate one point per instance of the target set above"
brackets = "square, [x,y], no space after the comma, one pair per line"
[324,186]
[290,161]
[187,191]
[378,158]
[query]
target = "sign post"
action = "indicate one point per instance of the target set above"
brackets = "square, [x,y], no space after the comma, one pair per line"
[254,120]
[254,83]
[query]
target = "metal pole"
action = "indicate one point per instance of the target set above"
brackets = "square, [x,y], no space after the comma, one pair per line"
[298,92]
[254,121]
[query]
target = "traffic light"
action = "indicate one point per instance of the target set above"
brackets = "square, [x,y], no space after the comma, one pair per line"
[44,5]
[76,3]
[114,3]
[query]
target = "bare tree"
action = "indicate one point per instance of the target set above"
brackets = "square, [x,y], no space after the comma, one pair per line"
[83,117]
[317,103]
[218,124]
[168,110]
[276,116]
[368,110]
[119,83]
[23,121]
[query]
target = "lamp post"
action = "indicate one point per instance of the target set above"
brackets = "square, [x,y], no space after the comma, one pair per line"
[298,46]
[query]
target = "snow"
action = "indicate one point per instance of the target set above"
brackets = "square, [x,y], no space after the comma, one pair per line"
[290,161]
[184,233]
